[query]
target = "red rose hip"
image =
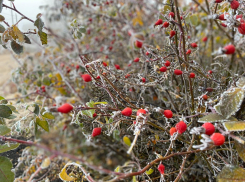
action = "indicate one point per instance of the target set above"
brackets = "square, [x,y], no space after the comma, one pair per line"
[181,127]
[127,111]
[218,139]
[65,108]
[96,132]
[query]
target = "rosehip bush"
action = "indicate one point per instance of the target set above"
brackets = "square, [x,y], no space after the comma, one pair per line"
[127,91]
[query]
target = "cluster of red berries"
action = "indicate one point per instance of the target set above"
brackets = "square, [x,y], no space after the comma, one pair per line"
[180,127]
[42,89]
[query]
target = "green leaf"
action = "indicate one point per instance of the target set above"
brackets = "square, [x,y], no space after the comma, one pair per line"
[240,148]
[36,110]
[234,126]
[1,98]
[91,111]
[12,116]
[43,37]
[39,24]
[27,40]
[43,124]
[230,102]
[48,115]
[17,48]
[116,135]
[214,117]
[4,130]
[2,29]
[150,171]
[46,81]
[193,19]
[13,108]
[3,101]
[6,147]
[6,174]
[96,103]
[5,111]
[82,30]
[231,174]
[2,18]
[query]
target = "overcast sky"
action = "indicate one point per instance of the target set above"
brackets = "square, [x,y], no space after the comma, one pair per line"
[29,8]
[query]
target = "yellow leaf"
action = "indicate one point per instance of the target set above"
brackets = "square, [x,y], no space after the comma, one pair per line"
[46,162]
[96,103]
[138,19]
[19,34]
[127,141]
[64,176]
[150,171]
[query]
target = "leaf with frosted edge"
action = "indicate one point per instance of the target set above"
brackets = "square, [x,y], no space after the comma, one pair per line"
[6,147]
[234,126]
[1,6]
[36,109]
[231,174]
[6,175]
[240,148]
[64,176]
[43,124]
[241,82]
[5,111]
[214,117]
[17,48]
[230,102]
[19,34]
[4,130]
[39,24]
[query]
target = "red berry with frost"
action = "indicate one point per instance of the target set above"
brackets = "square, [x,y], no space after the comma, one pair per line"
[117,66]
[165,24]
[223,25]
[239,16]
[138,44]
[65,108]
[94,115]
[204,39]
[127,75]
[143,80]
[234,4]
[104,63]
[218,1]
[222,17]
[147,53]
[171,14]
[229,49]
[178,72]
[167,63]
[172,131]
[209,128]
[241,29]
[210,72]
[193,45]
[127,111]
[136,60]
[218,139]
[181,127]
[168,113]
[158,22]
[188,52]
[161,168]
[98,77]
[205,97]
[163,69]
[141,111]
[96,132]
[192,75]
[77,67]
[172,33]
[86,77]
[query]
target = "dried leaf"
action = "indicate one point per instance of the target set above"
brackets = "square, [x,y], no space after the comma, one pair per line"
[64,176]
[19,34]
[230,102]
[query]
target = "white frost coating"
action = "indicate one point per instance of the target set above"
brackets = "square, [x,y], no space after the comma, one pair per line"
[223,104]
